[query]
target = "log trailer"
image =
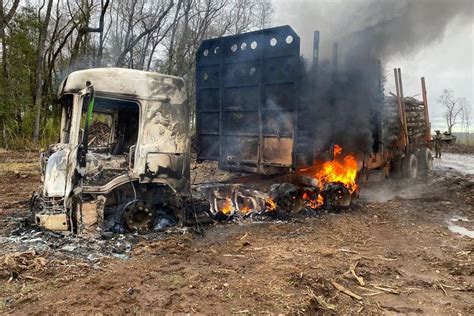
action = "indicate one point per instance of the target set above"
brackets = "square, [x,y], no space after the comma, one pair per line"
[406,136]
[250,118]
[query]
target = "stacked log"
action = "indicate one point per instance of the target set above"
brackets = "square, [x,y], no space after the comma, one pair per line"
[414,111]
[416,124]
[390,121]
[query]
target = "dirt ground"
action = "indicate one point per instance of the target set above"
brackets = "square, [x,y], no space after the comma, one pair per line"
[399,249]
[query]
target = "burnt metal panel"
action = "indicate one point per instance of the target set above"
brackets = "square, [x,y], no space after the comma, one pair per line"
[247,100]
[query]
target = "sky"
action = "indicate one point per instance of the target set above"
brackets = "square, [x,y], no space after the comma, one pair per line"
[446,59]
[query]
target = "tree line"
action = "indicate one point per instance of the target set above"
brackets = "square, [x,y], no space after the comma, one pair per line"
[43,41]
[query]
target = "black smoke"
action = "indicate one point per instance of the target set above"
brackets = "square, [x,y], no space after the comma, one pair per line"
[346,96]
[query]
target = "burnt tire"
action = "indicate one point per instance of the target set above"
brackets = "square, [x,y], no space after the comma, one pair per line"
[410,166]
[425,159]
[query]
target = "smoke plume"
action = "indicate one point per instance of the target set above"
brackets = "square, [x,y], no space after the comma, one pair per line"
[390,27]
[402,27]
[367,32]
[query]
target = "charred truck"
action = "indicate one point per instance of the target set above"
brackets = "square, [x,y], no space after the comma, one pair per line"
[118,179]
[123,159]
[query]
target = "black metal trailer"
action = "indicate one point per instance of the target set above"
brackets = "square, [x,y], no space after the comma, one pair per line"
[248,101]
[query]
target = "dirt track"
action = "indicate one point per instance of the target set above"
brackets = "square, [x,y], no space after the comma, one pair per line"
[408,259]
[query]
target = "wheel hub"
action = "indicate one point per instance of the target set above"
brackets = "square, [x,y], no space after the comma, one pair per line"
[139,216]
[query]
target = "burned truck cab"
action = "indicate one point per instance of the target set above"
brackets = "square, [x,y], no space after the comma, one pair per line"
[122,161]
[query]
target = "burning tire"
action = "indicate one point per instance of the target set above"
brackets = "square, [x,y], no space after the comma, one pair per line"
[425,159]
[336,196]
[286,196]
[410,166]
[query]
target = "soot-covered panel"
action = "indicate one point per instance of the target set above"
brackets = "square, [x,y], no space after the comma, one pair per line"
[246,87]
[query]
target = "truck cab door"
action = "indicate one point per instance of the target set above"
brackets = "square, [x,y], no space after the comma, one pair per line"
[160,155]
[62,163]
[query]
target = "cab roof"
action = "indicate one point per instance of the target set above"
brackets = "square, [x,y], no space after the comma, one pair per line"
[121,81]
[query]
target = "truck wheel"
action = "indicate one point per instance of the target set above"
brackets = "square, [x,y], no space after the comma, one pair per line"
[138,216]
[425,159]
[410,166]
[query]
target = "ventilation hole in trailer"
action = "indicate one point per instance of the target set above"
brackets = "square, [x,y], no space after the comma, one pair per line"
[273,41]
[233,48]
[205,76]
[217,50]
[289,39]
[205,52]
[252,71]
[243,46]
[253,45]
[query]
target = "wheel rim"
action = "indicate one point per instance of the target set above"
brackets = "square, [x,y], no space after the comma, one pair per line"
[138,217]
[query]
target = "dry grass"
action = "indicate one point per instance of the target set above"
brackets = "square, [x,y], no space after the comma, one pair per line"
[25,162]
[28,168]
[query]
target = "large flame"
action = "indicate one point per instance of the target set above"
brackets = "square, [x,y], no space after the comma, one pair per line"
[341,169]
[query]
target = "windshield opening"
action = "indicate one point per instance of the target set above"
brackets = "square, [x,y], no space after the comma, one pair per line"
[114,125]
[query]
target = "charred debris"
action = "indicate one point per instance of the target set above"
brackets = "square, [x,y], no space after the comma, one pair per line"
[296,138]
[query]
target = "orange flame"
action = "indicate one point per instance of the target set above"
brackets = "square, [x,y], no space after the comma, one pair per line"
[313,203]
[320,200]
[342,169]
[271,205]
[245,209]
[226,207]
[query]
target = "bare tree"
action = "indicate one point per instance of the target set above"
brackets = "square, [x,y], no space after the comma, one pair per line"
[81,15]
[59,34]
[173,27]
[152,21]
[5,17]
[202,19]
[39,68]
[247,15]
[263,13]
[452,107]
[4,20]
[154,35]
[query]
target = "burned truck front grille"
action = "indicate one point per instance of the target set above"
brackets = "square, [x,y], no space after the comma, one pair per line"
[47,205]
